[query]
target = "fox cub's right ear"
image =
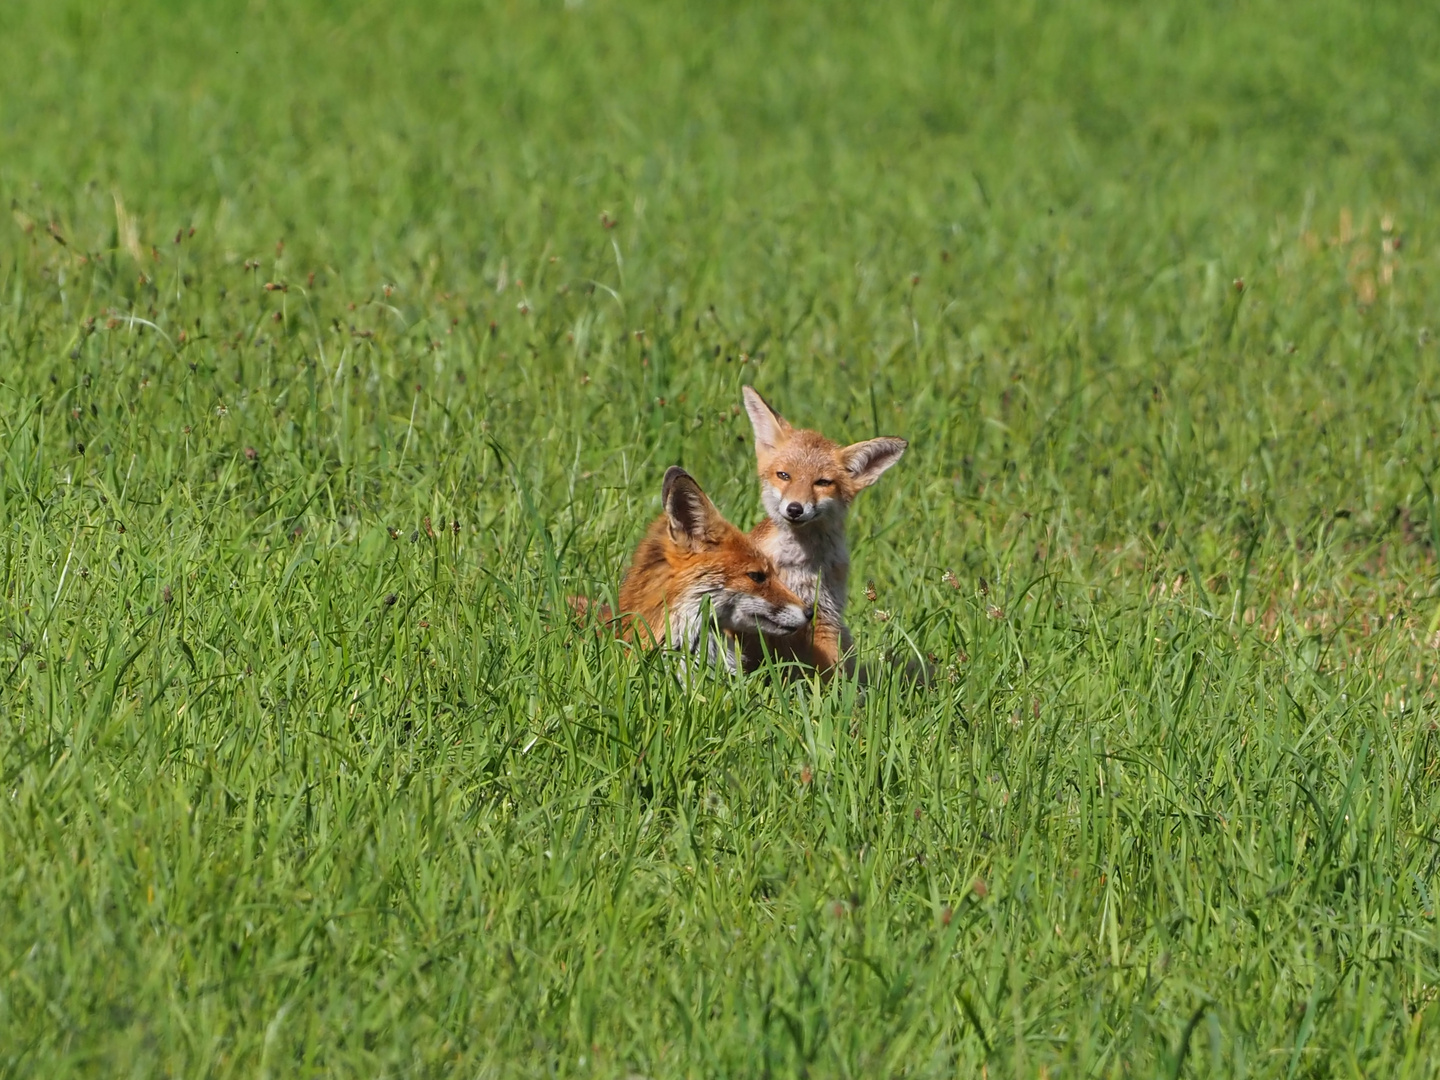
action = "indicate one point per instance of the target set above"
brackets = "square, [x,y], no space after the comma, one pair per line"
[687,509]
[771,429]
[866,460]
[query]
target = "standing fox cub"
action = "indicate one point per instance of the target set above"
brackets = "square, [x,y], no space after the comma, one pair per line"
[693,565]
[807,484]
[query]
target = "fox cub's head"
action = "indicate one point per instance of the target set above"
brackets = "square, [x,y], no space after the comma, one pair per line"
[719,563]
[805,477]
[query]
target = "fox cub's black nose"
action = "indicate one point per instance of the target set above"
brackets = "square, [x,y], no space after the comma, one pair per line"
[809,612]
[794,510]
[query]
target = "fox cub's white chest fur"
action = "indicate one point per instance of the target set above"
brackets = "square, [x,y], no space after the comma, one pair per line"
[814,565]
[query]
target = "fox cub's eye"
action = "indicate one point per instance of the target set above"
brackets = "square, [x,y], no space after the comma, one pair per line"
[783,475]
[757,576]
[822,482]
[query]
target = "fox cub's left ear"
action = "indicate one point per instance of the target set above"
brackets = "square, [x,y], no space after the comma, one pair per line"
[865,461]
[771,429]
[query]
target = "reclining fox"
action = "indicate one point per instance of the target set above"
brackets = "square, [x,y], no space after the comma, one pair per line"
[699,585]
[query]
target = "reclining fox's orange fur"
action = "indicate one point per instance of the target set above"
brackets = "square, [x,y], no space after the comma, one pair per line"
[697,582]
[807,484]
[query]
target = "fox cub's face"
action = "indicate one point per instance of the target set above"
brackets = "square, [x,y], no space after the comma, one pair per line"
[804,477]
[719,563]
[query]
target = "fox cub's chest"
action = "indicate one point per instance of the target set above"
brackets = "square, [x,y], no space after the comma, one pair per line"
[816,570]
[826,588]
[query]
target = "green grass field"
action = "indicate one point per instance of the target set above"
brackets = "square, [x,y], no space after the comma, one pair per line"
[338,343]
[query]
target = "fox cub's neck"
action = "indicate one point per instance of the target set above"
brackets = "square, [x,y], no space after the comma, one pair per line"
[813,560]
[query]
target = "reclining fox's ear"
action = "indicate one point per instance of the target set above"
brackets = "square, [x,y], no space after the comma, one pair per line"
[865,461]
[771,429]
[688,511]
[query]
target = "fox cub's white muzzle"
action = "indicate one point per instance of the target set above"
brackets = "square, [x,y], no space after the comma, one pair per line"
[790,511]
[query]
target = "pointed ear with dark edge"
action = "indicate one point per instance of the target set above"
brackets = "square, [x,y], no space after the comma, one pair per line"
[865,461]
[771,429]
[689,512]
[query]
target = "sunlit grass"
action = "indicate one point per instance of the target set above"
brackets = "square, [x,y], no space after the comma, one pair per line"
[337,347]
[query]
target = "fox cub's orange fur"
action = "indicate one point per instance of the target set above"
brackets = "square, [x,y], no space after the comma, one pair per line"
[697,582]
[807,484]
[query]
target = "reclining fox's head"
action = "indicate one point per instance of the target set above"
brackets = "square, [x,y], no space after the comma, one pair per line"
[804,477]
[693,560]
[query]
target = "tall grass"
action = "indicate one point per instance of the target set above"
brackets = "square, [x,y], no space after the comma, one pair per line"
[339,343]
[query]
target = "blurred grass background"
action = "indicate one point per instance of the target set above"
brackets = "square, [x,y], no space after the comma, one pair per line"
[338,341]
